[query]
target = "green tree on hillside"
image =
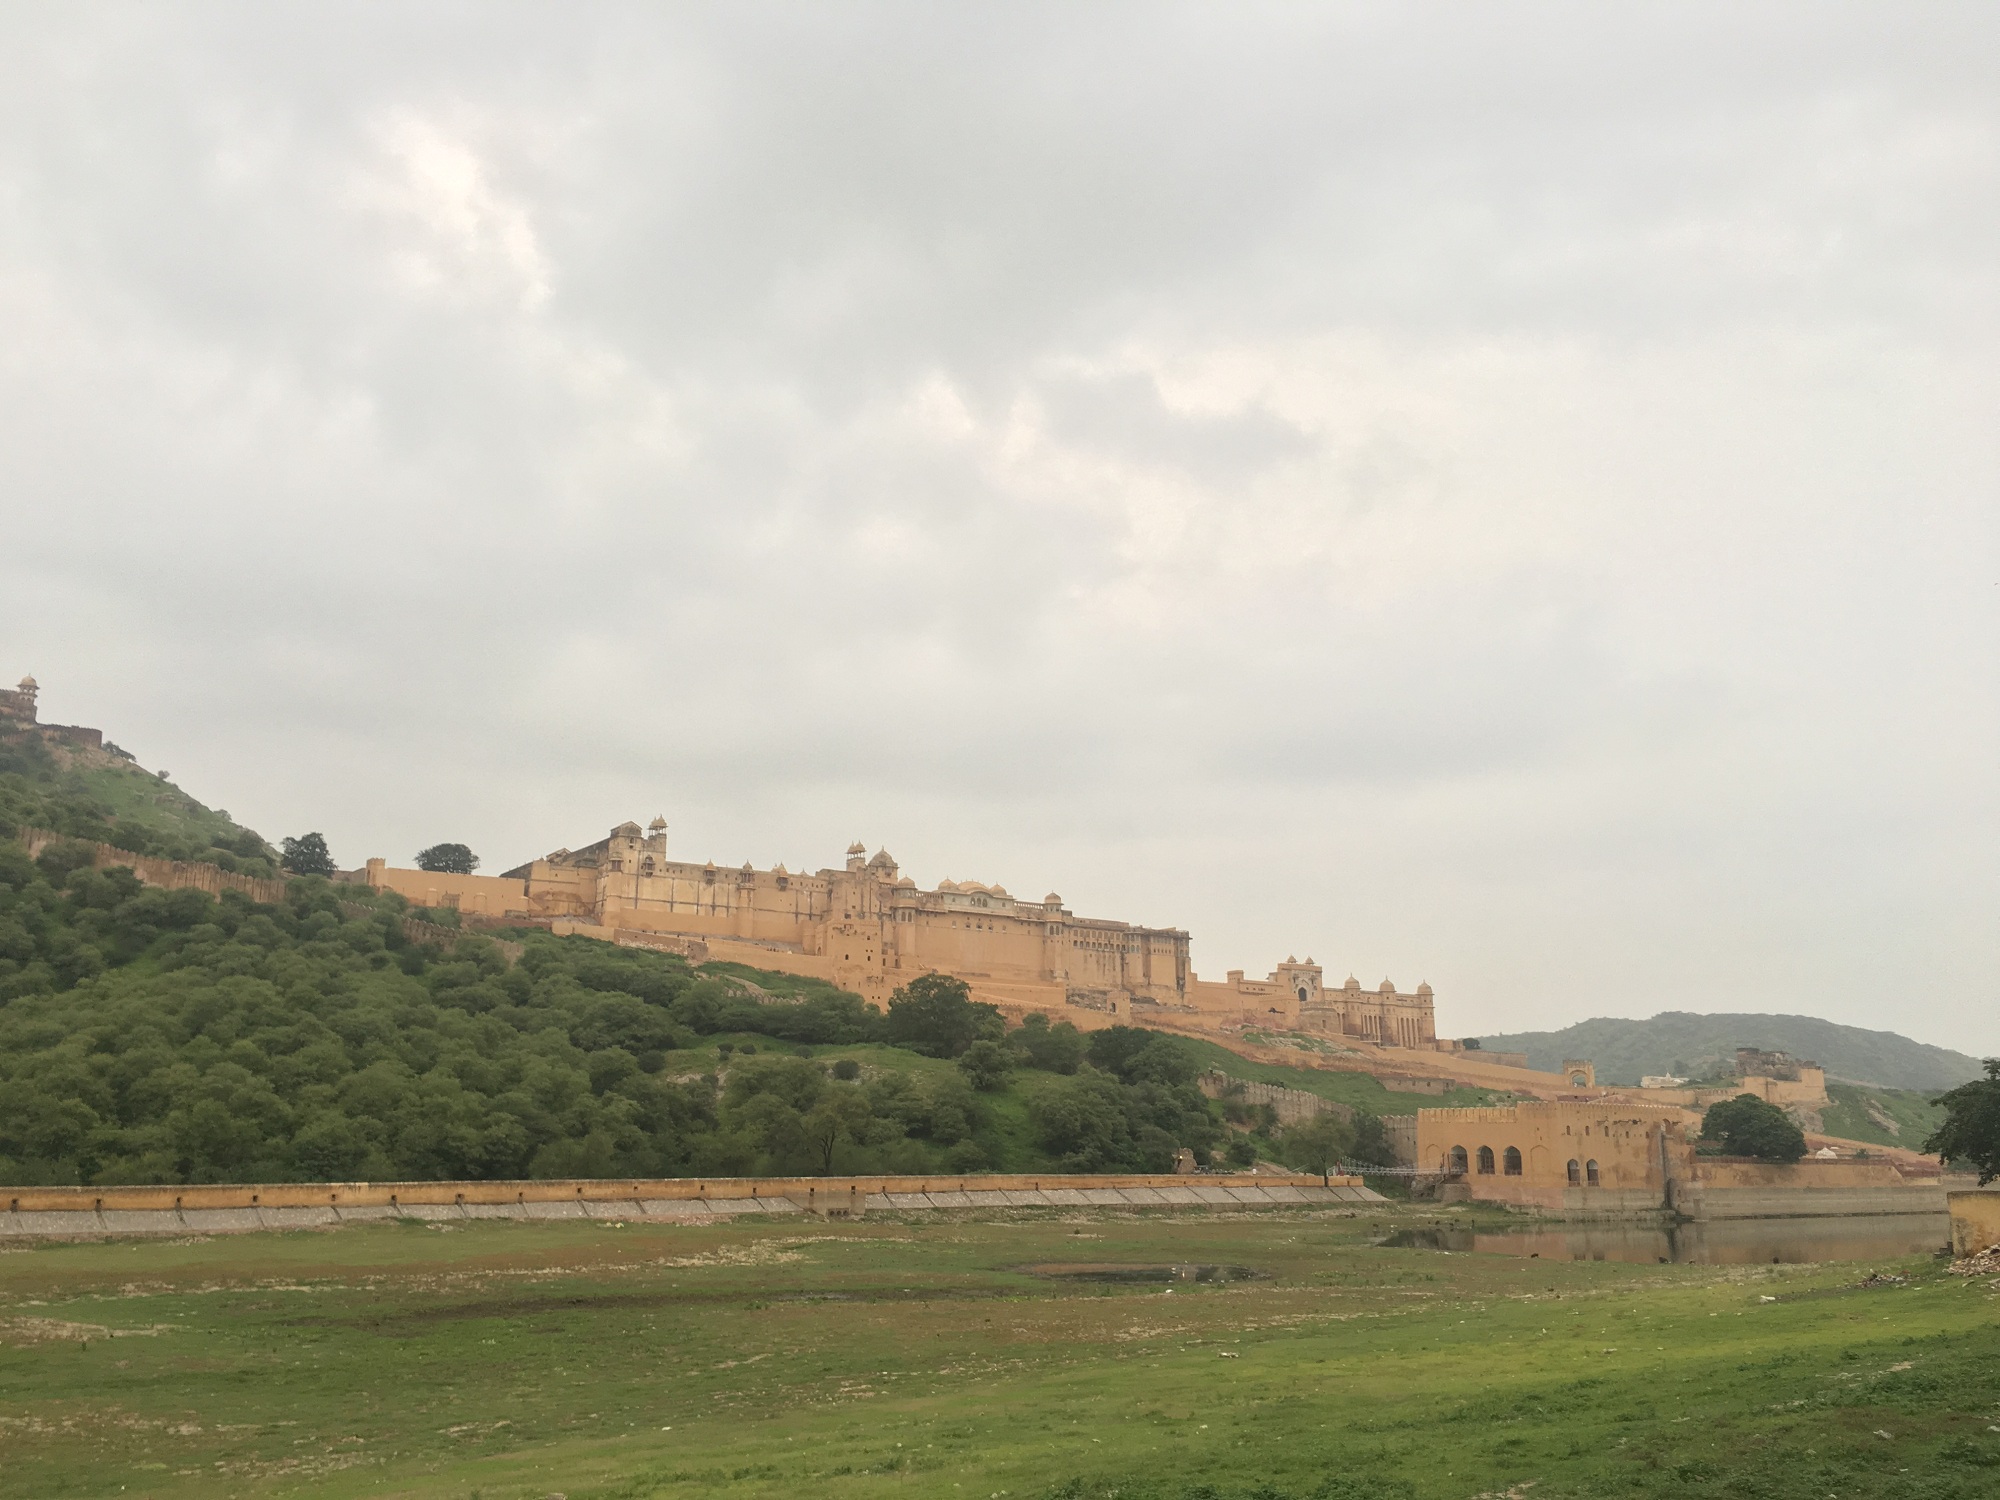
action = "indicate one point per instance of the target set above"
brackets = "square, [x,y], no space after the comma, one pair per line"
[448,859]
[1053,1048]
[936,1015]
[1136,1055]
[986,1065]
[1748,1126]
[1971,1128]
[307,855]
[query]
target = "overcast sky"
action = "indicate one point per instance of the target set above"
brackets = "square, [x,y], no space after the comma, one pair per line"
[1496,495]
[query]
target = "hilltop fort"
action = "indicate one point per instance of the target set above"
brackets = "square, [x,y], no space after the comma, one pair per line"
[869,928]
[18,718]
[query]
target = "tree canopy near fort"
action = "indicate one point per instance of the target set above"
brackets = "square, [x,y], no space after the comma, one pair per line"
[168,1036]
[1748,1126]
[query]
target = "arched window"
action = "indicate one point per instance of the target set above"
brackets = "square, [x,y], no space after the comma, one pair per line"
[1458,1160]
[1303,997]
[1575,1173]
[1486,1161]
[1590,1172]
[1511,1162]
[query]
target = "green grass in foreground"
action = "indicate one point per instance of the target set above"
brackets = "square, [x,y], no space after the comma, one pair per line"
[922,1359]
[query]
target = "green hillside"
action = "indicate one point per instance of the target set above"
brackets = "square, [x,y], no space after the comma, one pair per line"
[1697,1046]
[1887,1117]
[170,1036]
[109,798]
[1359,1090]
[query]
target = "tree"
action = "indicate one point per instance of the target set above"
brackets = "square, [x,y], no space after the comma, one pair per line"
[986,1065]
[307,855]
[1747,1126]
[842,1115]
[1082,1121]
[1057,1048]
[1318,1144]
[1471,1044]
[1371,1142]
[448,859]
[1971,1128]
[936,1015]
[1113,1049]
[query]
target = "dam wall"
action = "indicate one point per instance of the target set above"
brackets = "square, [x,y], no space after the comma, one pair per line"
[91,1212]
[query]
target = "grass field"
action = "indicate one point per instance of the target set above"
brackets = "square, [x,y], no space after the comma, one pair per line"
[925,1358]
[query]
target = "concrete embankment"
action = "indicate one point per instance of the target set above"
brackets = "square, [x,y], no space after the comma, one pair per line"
[1732,1189]
[68,1213]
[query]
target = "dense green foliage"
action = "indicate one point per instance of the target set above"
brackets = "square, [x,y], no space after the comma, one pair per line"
[1698,1046]
[1748,1126]
[155,1036]
[1971,1128]
[112,801]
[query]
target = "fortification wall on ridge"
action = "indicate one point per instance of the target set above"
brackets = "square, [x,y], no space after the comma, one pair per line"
[167,874]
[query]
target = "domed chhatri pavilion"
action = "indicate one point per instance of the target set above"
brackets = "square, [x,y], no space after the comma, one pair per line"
[869,928]
[17,705]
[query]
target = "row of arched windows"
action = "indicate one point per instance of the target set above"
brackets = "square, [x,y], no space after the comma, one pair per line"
[1510,1160]
[1581,1174]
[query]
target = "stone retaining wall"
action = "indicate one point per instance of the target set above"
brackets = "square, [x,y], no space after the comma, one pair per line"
[1698,1200]
[1292,1106]
[1975,1221]
[65,1213]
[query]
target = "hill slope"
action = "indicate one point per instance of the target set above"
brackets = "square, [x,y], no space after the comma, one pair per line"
[105,796]
[1678,1041]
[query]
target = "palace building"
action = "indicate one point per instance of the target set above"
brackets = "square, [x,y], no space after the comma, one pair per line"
[869,928]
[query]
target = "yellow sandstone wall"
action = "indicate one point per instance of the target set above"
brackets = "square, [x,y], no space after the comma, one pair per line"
[1633,1146]
[1975,1221]
[596,1190]
[481,895]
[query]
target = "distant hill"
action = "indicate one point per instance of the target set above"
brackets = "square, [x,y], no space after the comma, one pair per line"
[1695,1046]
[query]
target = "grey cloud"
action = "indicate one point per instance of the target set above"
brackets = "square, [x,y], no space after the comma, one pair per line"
[1503,497]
